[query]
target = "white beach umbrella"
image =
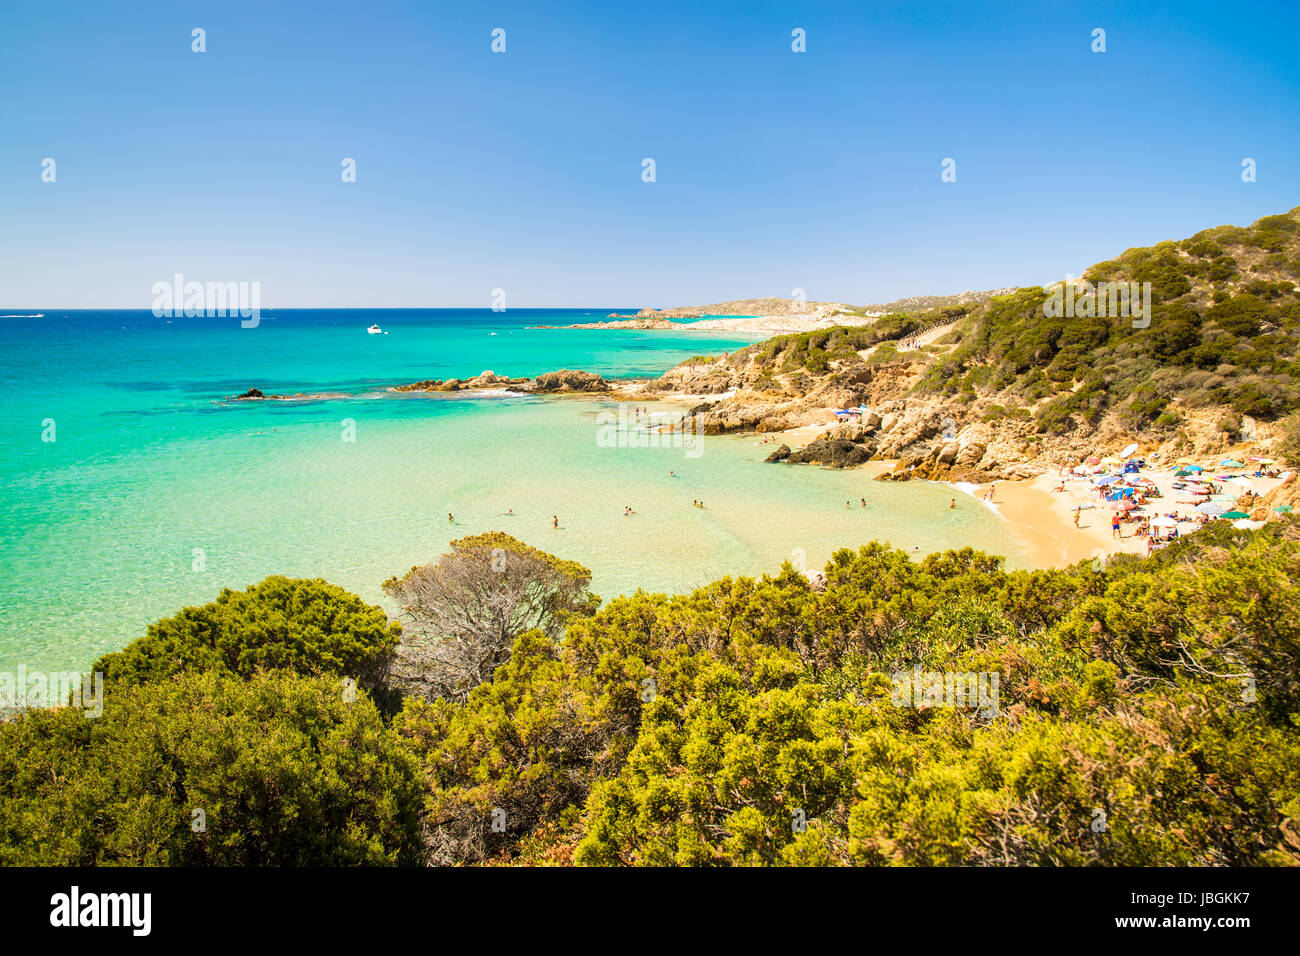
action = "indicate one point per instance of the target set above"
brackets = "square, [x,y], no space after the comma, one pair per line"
[1163,521]
[1247,525]
[1129,450]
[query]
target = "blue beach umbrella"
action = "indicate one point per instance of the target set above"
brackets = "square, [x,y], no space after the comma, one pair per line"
[1107,480]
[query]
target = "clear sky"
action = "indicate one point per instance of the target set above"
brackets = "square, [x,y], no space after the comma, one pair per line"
[522,170]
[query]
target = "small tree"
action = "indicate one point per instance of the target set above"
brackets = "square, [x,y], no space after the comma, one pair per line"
[465,611]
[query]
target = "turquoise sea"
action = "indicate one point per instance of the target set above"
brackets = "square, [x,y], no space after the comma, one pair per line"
[156,491]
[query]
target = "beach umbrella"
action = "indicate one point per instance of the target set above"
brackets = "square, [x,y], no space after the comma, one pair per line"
[1106,480]
[1129,450]
[1244,482]
[1163,521]
[1125,505]
[1212,508]
[1229,463]
[1232,515]
[1283,509]
[1247,525]
[1185,461]
[1092,461]
[1195,468]
[1110,460]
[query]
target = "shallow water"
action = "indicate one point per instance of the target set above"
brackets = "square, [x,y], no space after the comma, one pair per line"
[156,493]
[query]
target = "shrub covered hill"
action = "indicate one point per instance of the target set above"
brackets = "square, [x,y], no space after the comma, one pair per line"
[1003,388]
[1142,714]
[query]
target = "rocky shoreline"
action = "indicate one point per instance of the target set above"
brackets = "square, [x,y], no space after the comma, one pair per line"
[562,381]
[925,437]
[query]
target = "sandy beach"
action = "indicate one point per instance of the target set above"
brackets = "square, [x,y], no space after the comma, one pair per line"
[1044,518]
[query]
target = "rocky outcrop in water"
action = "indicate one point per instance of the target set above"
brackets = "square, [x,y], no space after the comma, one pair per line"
[568,380]
[486,379]
[833,452]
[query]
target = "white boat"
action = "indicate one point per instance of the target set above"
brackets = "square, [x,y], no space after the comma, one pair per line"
[376,330]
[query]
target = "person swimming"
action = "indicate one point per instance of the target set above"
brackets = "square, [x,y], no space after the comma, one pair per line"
[555,521]
[952,502]
[864,502]
[449,516]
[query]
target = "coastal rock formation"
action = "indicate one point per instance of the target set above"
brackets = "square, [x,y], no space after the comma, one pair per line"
[486,379]
[569,380]
[252,393]
[834,452]
[427,385]
[769,306]
[781,454]
[1285,495]
[617,322]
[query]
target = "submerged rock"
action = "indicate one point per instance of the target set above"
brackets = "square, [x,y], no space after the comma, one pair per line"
[252,393]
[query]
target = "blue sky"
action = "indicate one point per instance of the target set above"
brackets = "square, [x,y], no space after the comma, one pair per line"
[775,170]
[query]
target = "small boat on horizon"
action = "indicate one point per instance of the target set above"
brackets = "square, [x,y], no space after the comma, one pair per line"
[376,330]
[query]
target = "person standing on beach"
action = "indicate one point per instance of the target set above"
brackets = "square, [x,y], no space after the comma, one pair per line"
[864,502]
[1114,526]
[1077,510]
[555,521]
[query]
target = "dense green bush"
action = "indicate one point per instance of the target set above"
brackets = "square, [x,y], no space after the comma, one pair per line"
[752,721]
[208,768]
[305,626]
